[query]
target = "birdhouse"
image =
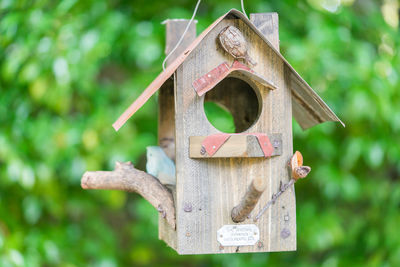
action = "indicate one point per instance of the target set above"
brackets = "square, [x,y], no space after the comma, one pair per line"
[225,199]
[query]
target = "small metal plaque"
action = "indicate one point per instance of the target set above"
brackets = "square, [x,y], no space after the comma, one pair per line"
[238,235]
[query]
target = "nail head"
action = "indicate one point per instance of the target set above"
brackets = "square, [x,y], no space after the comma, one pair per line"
[285,233]
[187,207]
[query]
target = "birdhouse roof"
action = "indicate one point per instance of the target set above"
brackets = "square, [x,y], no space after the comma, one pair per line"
[308,108]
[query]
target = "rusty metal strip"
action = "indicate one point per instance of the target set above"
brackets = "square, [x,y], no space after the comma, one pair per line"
[265,144]
[236,65]
[212,143]
[209,80]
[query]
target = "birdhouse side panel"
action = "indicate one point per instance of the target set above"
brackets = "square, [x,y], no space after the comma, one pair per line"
[208,189]
[166,109]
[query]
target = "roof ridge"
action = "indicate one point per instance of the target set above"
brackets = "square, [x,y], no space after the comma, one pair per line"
[164,75]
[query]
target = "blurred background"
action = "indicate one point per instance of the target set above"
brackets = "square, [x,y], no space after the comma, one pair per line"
[69,68]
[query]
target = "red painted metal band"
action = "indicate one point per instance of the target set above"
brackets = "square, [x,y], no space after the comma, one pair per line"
[213,142]
[265,144]
[236,65]
[209,80]
[206,82]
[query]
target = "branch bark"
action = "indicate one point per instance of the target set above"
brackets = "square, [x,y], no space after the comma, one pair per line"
[125,177]
[241,212]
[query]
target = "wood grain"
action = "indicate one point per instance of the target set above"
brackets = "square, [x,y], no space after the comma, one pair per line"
[174,30]
[237,146]
[166,107]
[126,178]
[242,211]
[214,186]
[320,112]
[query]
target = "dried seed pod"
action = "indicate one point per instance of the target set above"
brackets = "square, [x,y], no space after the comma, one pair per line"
[296,160]
[233,42]
[296,165]
[301,172]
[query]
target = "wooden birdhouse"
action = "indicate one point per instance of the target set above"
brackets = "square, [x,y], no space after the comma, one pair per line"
[223,180]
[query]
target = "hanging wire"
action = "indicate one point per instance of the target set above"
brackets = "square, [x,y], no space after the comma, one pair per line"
[244,12]
[187,28]
[183,35]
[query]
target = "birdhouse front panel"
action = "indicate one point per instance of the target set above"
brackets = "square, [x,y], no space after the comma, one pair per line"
[208,186]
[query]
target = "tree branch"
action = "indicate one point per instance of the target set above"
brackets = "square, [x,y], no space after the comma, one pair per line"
[125,177]
[241,212]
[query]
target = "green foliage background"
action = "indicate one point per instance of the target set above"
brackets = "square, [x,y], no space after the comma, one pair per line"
[69,68]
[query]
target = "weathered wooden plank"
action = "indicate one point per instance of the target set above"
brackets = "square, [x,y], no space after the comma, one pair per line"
[309,109]
[324,111]
[282,215]
[268,25]
[237,146]
[166,108]
[212,187]
[166,118]
[175,29]
[199,182]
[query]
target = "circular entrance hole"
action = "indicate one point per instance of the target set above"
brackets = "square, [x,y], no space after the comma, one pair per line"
[232,106]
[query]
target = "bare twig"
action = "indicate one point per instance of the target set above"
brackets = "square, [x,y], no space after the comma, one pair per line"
[298,172]
[125,177]
[241,212]
[282,189]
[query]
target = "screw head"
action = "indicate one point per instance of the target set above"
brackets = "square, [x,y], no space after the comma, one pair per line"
[187,207]
[260,244]
[276,144]
[285,233]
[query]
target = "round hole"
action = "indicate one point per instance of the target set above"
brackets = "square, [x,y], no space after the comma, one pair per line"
[232,106]
[219,117]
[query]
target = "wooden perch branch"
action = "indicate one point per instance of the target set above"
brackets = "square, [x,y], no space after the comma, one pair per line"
[249,201]
[125,177]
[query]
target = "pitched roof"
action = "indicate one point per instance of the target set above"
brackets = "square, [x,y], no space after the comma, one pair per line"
[308,108]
